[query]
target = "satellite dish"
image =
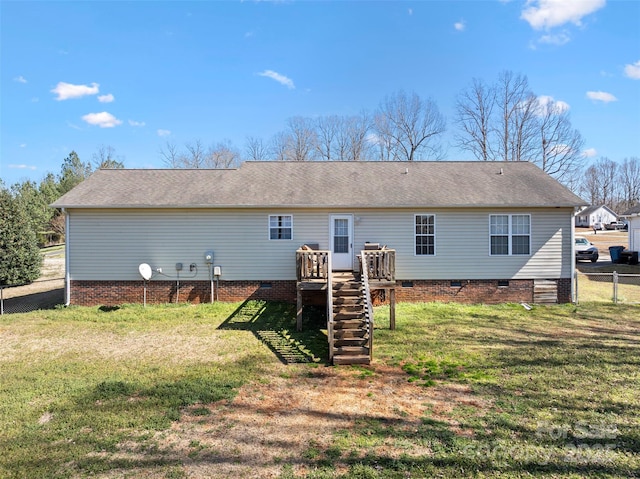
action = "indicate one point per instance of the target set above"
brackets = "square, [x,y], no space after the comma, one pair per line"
[145,271]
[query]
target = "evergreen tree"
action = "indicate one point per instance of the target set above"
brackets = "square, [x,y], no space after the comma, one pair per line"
[20,258]
[72,173]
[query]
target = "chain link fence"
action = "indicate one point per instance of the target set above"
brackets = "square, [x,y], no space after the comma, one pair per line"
[607,287]
[41,294]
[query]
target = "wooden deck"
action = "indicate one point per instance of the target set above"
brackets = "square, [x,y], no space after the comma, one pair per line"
[348,299]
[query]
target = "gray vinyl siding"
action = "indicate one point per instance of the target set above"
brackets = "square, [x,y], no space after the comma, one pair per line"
[111,244]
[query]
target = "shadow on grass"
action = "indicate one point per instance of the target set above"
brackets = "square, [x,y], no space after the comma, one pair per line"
[275,325]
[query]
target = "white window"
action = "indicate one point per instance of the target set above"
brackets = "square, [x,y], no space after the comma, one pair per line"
[280,227]
[510,234]
[425,234]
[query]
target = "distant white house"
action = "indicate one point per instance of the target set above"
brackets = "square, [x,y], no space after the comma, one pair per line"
[632,215]
[597,216]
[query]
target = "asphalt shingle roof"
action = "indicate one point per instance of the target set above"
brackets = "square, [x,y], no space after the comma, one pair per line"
[325,184]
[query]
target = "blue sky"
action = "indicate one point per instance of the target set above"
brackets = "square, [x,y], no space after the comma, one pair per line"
[133,75]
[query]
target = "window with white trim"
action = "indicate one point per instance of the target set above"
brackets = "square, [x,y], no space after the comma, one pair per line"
[510,234]
[280,227]
[425,234]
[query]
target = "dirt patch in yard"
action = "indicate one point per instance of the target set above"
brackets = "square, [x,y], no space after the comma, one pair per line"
[294,419]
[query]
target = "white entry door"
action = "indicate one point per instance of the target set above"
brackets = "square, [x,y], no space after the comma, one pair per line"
[342,242]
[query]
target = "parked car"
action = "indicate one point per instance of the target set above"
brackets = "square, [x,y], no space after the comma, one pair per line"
[616,225]
[585,250]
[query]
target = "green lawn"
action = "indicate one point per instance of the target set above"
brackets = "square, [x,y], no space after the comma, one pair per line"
[555,391]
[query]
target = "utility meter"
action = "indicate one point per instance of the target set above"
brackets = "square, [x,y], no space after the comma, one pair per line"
[208,257]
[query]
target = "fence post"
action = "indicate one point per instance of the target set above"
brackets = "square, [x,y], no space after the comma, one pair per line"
[615,287]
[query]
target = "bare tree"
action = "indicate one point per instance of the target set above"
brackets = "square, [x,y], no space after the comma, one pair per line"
[384,138]
[196,155]
[327,129]
[280,146]
[512,91]
[507,122]
[522,140]
[560,146]
[409,126]
[105,157]
[303,139]
[256,150]
[630,182]
[222,155]
[601,183]
[171,156]
[474,110]
[590,187]
[357,129]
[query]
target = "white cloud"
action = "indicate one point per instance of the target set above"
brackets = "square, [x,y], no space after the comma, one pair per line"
[283,80]
[633,70]
[589,153]
[601,96]
[66,91]
[555,39]
[20,79]
[102,119]
[410,11]
[23,167]
[136,123]
[164,132]
[558,106]
[553,13]
[106,98]
[460,26]
[23,145]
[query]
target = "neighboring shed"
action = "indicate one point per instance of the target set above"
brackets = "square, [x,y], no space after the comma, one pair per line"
[595,216]
[632,215]
[460,231]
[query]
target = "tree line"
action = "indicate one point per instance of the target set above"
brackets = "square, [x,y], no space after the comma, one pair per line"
[27,222]
[498,121]
[616,185]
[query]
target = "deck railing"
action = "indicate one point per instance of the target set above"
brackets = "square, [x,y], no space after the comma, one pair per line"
[380,263]
[329,307]
[368,305]
[312,264]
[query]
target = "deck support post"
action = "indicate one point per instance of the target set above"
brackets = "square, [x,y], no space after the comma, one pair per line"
[392,309]
[299,310]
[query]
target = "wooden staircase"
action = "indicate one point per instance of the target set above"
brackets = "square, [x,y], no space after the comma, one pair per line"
[350,328]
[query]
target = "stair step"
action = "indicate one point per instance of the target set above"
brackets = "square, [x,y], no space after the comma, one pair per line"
[349,324]
[350,342]
[361,359]
[337,308]
[348,316]
[357,333]
[349,300]
[351,351]
[346,292]
[347,285]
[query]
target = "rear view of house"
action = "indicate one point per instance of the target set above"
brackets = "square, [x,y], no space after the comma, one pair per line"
[460,231]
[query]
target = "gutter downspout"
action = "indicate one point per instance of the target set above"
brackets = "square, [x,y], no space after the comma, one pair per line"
[574,298]
[67,279]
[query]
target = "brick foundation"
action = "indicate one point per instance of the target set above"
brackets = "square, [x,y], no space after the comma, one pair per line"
[564,290]
[109,293]
[472,291]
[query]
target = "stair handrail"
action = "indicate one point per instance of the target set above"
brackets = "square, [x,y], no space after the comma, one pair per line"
[330,306]
[368,311]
